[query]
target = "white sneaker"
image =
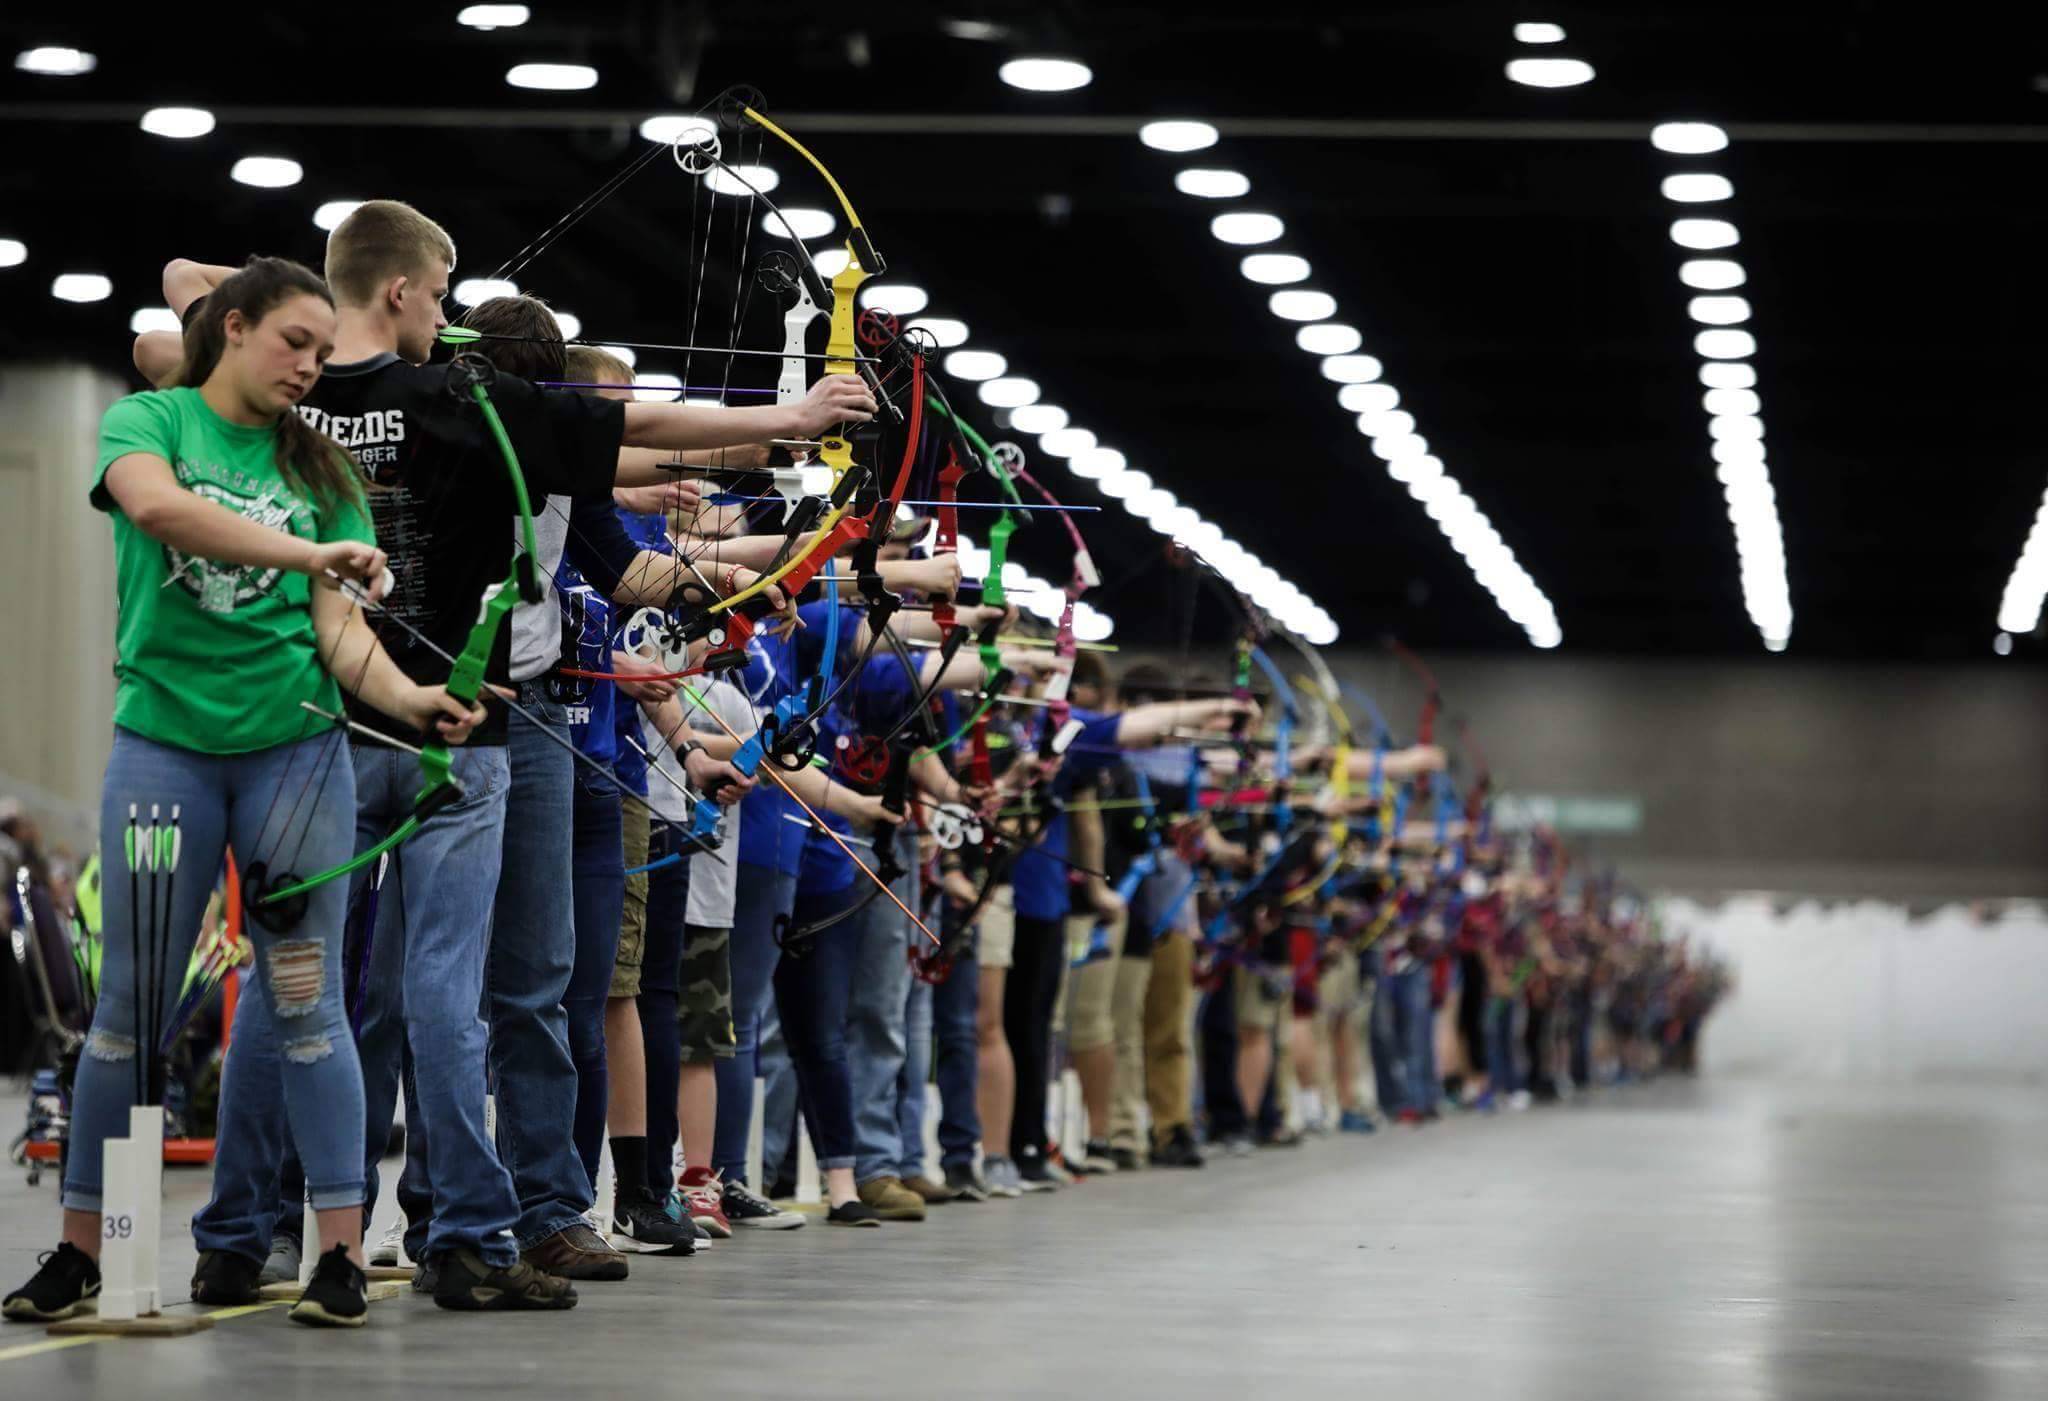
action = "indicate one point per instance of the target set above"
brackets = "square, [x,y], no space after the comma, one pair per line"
[390,1247]
[1519,1100]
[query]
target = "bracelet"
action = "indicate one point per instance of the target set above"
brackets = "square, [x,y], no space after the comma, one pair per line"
[732,579]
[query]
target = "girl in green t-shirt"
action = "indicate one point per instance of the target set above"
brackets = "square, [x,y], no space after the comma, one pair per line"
[234,525]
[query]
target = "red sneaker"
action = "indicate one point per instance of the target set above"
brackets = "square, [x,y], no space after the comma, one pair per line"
[705,1193]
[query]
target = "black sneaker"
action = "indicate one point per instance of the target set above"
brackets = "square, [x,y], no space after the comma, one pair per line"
[67,1278]
[1126,1159]
[745,1207]
[224,1279]
[467,1282]
[1034,1174]
[338,1295]
[853,1213]
[966,1183]
[640,1226]
[426,1275]
[1179,1150]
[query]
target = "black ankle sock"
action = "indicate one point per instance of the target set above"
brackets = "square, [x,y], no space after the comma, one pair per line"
[629,1162]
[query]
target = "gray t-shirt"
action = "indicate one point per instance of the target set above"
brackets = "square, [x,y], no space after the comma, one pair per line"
[713,874]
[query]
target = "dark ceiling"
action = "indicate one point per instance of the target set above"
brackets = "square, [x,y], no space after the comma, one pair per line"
[1503,248]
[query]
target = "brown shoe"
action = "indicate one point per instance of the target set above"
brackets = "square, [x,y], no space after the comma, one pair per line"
[576,1252]
[932,1192]
[891,1200]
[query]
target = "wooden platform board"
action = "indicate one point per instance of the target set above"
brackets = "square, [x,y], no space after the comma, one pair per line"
[160,1325]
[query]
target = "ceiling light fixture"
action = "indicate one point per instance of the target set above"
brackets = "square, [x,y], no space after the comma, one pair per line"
[1038,418]
[177,123]
[1704,234]
[1178,137]
[802,223]
[673,127]
[13,252]
[1364,398]
[944,330]
[1688,138]
[1009,392]
[898,297]
[475,291]
[741,180]
[975,365]
[268,172]
[1243,227]
[1711,274]
[154,318]
[1046,74]
[52,61]
[1274,269]
[1329,338]
[1539,33]
[1302,305]
[81,287]
[1350,369]
[1550,72]
[494,16]
[552,77]
[1718,311]
[329,215]
[1697,188]
[1212,184]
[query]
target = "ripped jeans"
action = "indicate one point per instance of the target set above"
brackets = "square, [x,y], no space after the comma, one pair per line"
[282,804]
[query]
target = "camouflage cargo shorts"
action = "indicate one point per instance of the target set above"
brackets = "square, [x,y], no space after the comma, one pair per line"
[704,995]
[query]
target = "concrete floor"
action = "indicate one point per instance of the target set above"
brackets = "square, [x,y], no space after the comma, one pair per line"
[1713,1240]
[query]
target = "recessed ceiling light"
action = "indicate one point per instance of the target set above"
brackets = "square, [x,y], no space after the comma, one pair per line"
[268,172]
[1386,423]
[52,61]
[1329,338]
[1302,305]
[830,262]
[1177,136]
[1731,401]
[1550,72]
[1043,74]
[178,123]
[330,214]
[13,252]
[806,223]
[1065,442]
[1724,345]
[1038,418]
[1728,376]
[741,180]
[494,16]
[625,355]
[1697,188]
[1539,33]
[1244,227]
[975,365]
[898,297]
[81,287]
[673,127]
[1366,397]
[1711,274]
[1704,234]
[570,323]
[1718,311]
[1212,184]
[1097,463]
[656,387]
[154,318]
[1274,269]
[473,290]
[1009,392]
[1688,138]
[944,330]
[552,77]
[1350,369]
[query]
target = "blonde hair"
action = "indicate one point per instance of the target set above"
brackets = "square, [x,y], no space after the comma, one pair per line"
[586,364]
[380,240]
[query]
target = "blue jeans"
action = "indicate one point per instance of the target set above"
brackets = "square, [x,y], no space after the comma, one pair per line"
[762,894]
[533,950]
[422,1030]
[293,1057]
[876,1005]
[954,1005]
[1415,1039]
[912,1080]
[810,995]
[599,892]
[668,897]
[1501,1074]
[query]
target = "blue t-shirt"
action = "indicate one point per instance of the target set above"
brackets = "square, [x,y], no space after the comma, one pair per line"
[1038,880]
[768,838]
[870,706]
[592,725]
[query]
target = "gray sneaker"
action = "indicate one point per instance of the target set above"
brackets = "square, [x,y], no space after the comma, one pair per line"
[283,1265]
[1001,1175]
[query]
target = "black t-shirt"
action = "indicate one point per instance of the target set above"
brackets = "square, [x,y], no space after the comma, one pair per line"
[442,502]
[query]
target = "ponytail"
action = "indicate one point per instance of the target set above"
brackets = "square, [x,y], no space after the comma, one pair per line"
[311,462]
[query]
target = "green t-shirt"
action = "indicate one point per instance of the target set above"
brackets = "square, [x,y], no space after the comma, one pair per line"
[214,657]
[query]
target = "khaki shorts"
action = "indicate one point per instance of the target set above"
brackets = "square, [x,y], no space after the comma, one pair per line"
[1258,1006]
[996,935]
[1339,991]
[633,923]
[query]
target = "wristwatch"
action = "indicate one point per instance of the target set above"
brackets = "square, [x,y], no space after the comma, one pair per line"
[686,749]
